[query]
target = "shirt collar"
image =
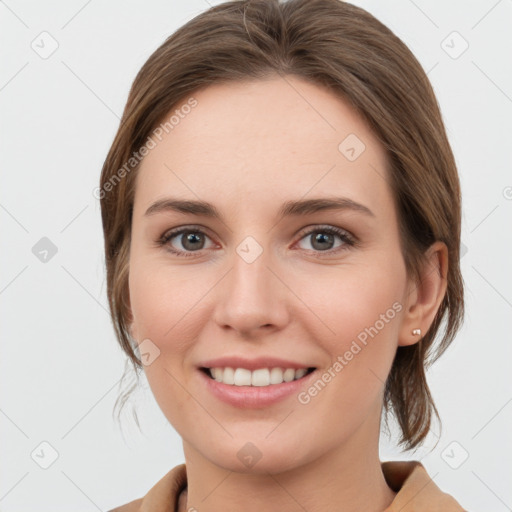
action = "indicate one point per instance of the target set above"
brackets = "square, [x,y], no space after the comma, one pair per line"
[416,491]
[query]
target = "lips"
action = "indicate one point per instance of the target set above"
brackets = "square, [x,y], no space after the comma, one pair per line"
[250,396]
[260,393]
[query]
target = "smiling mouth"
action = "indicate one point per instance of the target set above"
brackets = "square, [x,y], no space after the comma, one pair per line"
[262,377]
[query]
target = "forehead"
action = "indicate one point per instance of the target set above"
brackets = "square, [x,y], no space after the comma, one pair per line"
[278,138]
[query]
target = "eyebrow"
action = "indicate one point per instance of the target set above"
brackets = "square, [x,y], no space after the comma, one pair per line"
[289,208]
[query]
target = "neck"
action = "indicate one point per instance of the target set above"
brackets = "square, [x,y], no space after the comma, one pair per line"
[348,478]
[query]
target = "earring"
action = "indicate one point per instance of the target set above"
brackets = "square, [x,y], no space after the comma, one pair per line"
[416,332]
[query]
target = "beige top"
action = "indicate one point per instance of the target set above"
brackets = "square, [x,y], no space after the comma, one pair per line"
[416,491]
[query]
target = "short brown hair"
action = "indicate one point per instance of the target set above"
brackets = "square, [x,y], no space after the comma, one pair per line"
[344,48]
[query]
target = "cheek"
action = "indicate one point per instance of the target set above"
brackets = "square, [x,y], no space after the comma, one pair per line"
[347,300]
[161,299]
[360,313]
[168,310]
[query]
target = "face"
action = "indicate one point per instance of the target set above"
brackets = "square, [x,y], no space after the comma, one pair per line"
[315,287]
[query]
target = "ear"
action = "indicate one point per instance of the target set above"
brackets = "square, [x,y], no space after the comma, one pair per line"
[424,297]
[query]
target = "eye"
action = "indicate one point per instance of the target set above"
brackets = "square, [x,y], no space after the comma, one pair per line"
[190,239]
[185,241]
[322,239]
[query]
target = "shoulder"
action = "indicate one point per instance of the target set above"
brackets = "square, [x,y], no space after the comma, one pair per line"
[162,496]
[416,490]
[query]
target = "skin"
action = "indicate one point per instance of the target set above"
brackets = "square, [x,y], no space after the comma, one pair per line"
[267,142]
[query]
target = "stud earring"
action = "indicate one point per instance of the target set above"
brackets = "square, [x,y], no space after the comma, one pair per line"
[416,332]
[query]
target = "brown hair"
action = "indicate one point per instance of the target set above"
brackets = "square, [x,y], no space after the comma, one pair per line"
[332,44]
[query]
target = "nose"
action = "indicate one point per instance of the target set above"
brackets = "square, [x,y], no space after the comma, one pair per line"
[252,297]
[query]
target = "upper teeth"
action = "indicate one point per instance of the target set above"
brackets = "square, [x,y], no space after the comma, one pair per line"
[260,377]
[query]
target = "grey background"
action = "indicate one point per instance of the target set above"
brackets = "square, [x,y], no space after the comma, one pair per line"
[60,364]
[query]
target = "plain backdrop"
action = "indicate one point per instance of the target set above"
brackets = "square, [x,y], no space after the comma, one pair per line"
[66,70]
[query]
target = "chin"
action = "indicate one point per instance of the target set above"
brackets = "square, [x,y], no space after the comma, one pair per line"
[258,457]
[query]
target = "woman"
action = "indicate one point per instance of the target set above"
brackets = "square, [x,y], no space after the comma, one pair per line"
[300,148]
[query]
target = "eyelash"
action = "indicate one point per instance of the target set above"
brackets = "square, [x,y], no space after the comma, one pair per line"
[348,239]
